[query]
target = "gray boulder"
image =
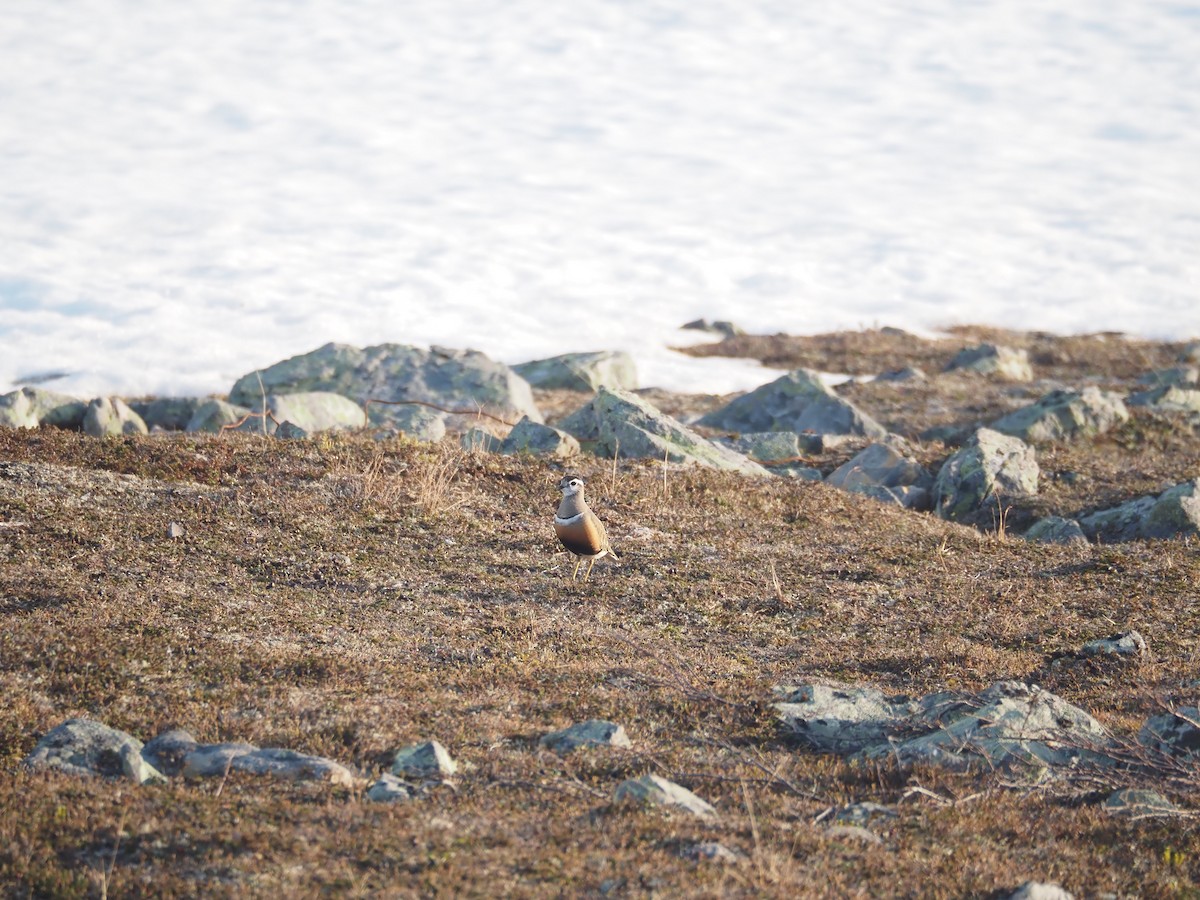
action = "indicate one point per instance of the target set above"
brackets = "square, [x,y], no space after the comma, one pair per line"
[884,472]
[418,423]
[1175,733]
[455,379]
[724,328]
[620,423]
[1127,643]
[425,760]
[1182,375]
[1174,512]
[111,416]
[1168,398]
[168,413]
[53,408]
[390,789]
[1062,415]
[476,440]
[1008,723]
[582,371]
[86,747]
[539,440]
[911,374]
[798,401]
[591,733]
[286,431]
[1140,804]
[316,411]
[1056,530]
[16,411]
[990,359]
[658,791]
[992,469]
[212,415]
[179,753]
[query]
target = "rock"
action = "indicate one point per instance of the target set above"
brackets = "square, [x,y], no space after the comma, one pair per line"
[1127,643]
[1181,375]
[658,791]
[16,411]
[897,376]
[1168,398]
[539,440]
[53,408]
[175,531]
[1139,804]
[775,447]
[1037,890]
[1176,511]
[390,789]
[618,422]
[853,833]
[1063,415]
[990,359]
[591,733]
[1174,733]
[316,411]
[884,472]
[582,371]
[111,416]
[798,401]
[168,413]
[178,753]
[711,851]
[426,760]
[721,327]
[417,423]
[841,719]
[1190,352]
[476,440]
[990,470]
[863,814]
[211,415]
[287,431]
[455,379]
[1009,723]
[1056,530]
[86,747]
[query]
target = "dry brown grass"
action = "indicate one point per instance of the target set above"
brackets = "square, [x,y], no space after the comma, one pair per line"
[344,597]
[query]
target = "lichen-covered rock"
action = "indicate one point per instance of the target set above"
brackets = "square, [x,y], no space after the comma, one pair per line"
[884,472]
[168,413]
[990,359]
[839,718]
[86,747]
[1063,415]
[426,760]
[316,411]
[1174,512]
[454,379]
[776,447]
[620,423]
[53,408]
[582,371]
[993,469]
[1168,398]
[1056,530]
[16,411]
[539,440]
[658,791]
[591,733]
[212,415]
[798,401]
[112,416]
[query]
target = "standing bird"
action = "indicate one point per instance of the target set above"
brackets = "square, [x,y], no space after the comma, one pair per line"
[578,528]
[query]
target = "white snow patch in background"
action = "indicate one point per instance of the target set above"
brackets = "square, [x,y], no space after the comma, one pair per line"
[195,190]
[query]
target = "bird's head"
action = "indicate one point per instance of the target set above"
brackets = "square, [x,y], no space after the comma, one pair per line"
[571,484]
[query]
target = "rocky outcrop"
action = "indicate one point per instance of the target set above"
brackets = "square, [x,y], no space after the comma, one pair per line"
[798,401]
[212,415]
[16,411]
[87,747]
[1168,398]
[108,416]
[316,411]
[582,371]
[658,791]
[991,359]
[1063,415]
[454,379]
[884,472]
[1176,511]
[1056,530]
[429,759]
[992,470]
[618,423]
[591,733]
[537,439]
[178,753]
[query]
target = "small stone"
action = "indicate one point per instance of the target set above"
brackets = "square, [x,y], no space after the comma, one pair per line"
[476,440]
[1056,530]
[909,374]
[658,791]
[175,530]
[390,789]
[289,431]
[540,440]
[1037,890]
[712,851]
[426,760]
[592,733]
[1127,643]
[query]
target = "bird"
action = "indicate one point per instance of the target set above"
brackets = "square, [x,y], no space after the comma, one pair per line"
[578,527]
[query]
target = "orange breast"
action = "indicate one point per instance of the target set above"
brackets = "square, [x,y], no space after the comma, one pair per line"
[583,538]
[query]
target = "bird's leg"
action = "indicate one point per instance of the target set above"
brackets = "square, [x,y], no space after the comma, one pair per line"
[578,563]
[588,574]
